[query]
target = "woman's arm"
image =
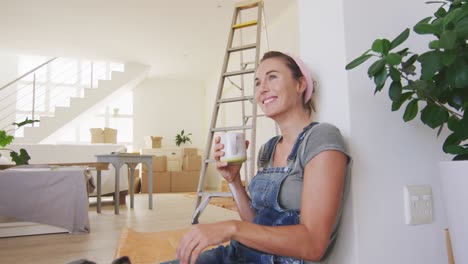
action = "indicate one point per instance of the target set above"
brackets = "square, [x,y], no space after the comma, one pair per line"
[321,196]
[322,190]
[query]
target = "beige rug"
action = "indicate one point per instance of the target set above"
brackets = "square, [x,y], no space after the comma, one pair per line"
[224,202]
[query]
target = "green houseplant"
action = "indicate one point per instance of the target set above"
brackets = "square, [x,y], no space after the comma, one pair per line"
[21,158]
[440,90]
[435,81]
[182,138]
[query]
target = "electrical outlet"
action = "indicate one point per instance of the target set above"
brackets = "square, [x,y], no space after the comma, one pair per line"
[418,204]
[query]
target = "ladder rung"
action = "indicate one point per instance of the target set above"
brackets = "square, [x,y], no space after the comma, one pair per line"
[248,62]
[215,194]
[245,24]
[249,116]
[234,73]
[243,47]
[235,99]
[248,4]
[219,129]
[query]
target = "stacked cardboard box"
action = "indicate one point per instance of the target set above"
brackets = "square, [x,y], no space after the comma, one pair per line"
[161,177]
[177,172]
[187,179]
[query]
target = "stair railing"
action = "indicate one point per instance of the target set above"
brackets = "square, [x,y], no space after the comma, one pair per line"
[52,83]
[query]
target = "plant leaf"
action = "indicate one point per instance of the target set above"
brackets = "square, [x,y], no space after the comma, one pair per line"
[462,28]
[400,39]
[393,59]
[448,57]
[358,61]
[380,78]
[441,12]
[431,62]
[423,29]
[376,67]
[394,92]
[397,104]
[448,39]
[434,116]
[461,73]
[5,139]
[411,110]
[435,44]
[452,16]
[377,45]
[395,74]
[451,140]
[21,159]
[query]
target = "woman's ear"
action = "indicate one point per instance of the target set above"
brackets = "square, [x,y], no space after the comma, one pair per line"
[302,85]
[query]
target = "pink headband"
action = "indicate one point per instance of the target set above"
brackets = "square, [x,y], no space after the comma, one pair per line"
[305,71]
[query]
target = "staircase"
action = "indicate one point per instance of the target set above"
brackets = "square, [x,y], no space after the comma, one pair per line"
[119,82]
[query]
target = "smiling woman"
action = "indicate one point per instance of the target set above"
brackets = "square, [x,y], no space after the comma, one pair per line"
[299,190]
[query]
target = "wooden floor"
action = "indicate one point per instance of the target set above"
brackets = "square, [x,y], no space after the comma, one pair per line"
[170,211]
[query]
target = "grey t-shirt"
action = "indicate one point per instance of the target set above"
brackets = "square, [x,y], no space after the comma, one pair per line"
[320,137]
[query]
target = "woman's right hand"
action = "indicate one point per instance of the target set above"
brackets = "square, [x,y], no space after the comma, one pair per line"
[230,172]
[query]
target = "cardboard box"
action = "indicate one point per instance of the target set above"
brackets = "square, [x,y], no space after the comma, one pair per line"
[136,181]
[161,182]
[97,135]
[192,163]
[189,152]
[159,164]
[184,181]
[153,142]
[225,187]
[174,165]
[110,135]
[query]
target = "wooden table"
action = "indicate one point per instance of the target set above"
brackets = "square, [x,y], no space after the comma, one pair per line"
[118,160]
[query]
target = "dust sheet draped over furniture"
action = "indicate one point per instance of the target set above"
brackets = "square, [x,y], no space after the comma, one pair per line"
[56,197]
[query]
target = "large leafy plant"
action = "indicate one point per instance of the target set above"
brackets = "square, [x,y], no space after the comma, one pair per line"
[440,89]
[21,158]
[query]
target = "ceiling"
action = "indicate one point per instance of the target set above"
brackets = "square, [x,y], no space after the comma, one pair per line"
[179,38]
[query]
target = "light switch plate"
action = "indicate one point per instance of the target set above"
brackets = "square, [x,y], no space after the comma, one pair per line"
[418,204]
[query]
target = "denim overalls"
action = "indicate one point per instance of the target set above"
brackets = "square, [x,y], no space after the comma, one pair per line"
[264,191]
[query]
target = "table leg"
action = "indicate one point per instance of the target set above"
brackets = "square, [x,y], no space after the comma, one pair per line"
[99,191]
[132,180]
[117,189]
[150,187]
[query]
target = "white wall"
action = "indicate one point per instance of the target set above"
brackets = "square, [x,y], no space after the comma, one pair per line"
[387,152]
[163,107]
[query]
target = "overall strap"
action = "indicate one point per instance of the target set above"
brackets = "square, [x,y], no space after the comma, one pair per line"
[301,136]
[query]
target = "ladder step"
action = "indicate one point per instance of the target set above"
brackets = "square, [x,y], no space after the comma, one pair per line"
[220,129]
[235,99]
[215,194]
[248,4]
[248,62]
[244,47]
[245,24]
[234,73]
[249,116]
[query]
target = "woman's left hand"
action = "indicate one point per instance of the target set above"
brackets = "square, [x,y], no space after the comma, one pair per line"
[200,237]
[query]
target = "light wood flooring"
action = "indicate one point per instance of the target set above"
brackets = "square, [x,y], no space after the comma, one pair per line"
[170,211]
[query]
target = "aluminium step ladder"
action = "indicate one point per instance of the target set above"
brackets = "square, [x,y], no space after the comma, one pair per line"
[249,120]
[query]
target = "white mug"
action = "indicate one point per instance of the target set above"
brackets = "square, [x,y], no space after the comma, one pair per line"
[234,147]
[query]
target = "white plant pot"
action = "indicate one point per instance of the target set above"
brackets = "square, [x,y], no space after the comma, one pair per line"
[454,183]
